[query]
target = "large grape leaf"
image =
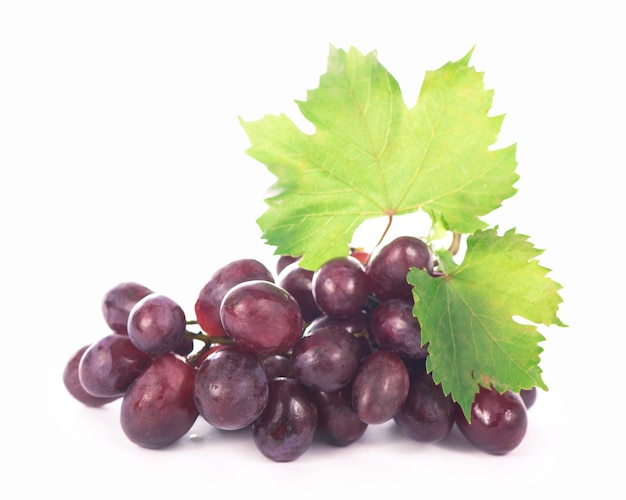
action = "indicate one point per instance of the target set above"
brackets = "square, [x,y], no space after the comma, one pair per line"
[372,156]
[480,317]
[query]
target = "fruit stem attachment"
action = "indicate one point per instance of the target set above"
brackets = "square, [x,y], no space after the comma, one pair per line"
[209,342]
[382,236]
[456,243]
[208,339]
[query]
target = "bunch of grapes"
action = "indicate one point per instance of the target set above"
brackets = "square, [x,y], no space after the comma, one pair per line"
[292,355]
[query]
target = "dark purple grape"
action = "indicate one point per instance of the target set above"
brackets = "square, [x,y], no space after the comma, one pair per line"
[156,324]
[286,428]
[73,385]
[393,326]
[365,345]
[337,423]
[529,396]
[427,415]
[207,306]
[498,421]
[205,352]
[327,359]
[283,261]
[380,387]
[413,364]
[277,365]
[158,408]
[340,287]
[262,316]
[298,282]
[231,388]
[118,302]
[355,324]
[110,365]
[388,268]
[185,348]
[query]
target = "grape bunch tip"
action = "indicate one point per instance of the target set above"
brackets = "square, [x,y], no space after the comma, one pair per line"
[341,343]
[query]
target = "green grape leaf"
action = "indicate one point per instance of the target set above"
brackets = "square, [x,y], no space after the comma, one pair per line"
[371,156]
[480,317]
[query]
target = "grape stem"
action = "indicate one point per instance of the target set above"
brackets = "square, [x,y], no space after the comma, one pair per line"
[208,339]
[382,237]
[365,334]
[456,243]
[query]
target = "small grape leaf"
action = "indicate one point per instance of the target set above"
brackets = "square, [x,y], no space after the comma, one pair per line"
[468,315]
[371,156]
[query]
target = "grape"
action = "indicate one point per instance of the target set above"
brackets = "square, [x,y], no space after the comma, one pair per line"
[355,324]
[207,306]
[277,365]
[298,282]
[117,303]
[327,359]
[387,270]
[231,388]
[427,415]
[185,348]
[158,408]
[322,353]
[283,261]
[286,428]
[156,324]
[340,287]
[498,421]
[73,385]
[262,316]
[205,352]
[110,365]
[336,421]
[529,396]
[380,387]
[393,326]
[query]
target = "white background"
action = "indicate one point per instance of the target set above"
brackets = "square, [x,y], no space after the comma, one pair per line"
[122,159]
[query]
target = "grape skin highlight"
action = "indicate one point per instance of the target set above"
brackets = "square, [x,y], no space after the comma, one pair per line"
[498,421]
[380,387]
[108,367]
[327,359]
[231,388]
[427,415]
[158,408]
[262,317]
[340,287]
[286,428]
[118,301]
[156,324]
[386,271]
[337,423]
[72,383]
[207,305]
[299,283]
[393,326]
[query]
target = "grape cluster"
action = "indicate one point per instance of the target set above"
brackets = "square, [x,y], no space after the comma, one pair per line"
[292,355]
